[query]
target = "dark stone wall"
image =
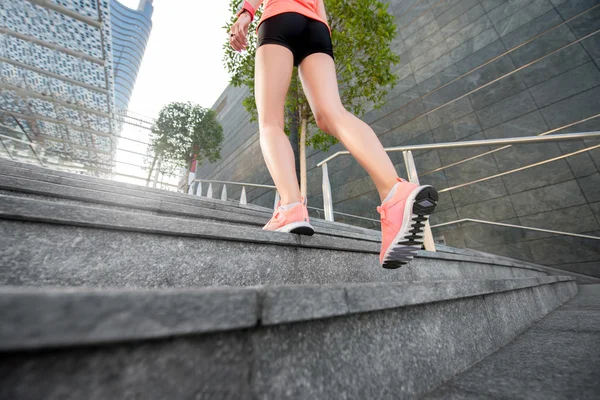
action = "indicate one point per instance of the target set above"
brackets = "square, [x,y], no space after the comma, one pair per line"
[474,69]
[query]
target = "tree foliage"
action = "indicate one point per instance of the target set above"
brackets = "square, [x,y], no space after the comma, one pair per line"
[184,132]
[362,33]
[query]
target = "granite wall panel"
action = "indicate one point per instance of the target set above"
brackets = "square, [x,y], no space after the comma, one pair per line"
[529,31]
[555,64]
[581,164]
[570,8]
[506,109]
[590,186]
[543,45]
[565,85]
[532,10]
[471,70]
[592,46]
[538,176]
[497,90]
[561,217]
[587,23]
[573,109]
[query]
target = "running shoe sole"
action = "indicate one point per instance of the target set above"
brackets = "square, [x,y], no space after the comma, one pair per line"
[301,228]
[420,204]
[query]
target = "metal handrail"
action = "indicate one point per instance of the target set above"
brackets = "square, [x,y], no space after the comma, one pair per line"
[433,226]
[243,201]
[234,183]
[244,184]
[35,145]
[414,178]
[32,145]
[17,140]
[481,143]
[141,178]
[464,160]
[512,171]
[345,214]
[515,226]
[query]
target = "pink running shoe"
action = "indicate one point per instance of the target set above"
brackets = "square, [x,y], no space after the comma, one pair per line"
[402,220]
[294,220]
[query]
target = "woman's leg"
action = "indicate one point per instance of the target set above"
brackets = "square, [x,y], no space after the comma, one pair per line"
[319,81]
[274,66]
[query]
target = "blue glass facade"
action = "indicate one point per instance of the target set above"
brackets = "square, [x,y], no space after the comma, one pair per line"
[130,32]
[56,82]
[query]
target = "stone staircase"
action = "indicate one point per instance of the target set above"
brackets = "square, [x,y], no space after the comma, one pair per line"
[110,290]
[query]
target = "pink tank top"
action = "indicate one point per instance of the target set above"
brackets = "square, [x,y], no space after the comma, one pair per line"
[308,8]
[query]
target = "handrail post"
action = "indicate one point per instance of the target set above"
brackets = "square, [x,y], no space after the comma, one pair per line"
[157,172]
[243,196]
[413,177]
[7,150]
[277,198]
[199,189]
[209,193]
[31,144]
[327,201]
[224,193]
[32,147]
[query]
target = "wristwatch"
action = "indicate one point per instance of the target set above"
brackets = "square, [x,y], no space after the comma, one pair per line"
[242,11]
[246,7]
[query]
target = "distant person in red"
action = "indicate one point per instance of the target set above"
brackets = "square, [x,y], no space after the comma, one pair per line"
[296,33]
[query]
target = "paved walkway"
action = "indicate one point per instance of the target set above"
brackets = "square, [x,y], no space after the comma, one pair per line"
[557,358]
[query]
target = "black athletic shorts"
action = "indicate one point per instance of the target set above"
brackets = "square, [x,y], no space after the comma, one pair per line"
[302,35]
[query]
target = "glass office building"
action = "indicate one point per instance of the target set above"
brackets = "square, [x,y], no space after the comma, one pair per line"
[131,30]
[57,83]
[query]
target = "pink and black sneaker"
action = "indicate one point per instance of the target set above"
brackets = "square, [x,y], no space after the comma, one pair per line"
[403,218]
[293,220]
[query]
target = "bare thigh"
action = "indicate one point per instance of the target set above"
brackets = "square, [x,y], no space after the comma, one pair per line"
[274,66]
[319,81]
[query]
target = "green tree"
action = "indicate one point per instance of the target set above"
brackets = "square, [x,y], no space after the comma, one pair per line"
[362,33]
[184,132]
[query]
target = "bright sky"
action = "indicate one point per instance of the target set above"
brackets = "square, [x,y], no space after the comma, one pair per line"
[183,59]
[183,62]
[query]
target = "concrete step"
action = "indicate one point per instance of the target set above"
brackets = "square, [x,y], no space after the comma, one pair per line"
[9,167]
[26,180]
[19,179]
[558,357]
[353,341]
[580,278]
[17,169]
[73,245]
[37,182]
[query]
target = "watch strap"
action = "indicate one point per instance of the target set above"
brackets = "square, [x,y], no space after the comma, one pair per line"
[247,7]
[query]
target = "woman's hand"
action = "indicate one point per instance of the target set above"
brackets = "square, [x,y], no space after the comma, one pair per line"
[239,32]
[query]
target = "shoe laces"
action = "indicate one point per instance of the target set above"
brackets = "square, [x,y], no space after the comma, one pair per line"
[277,215]
[278,212]
[382,212]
